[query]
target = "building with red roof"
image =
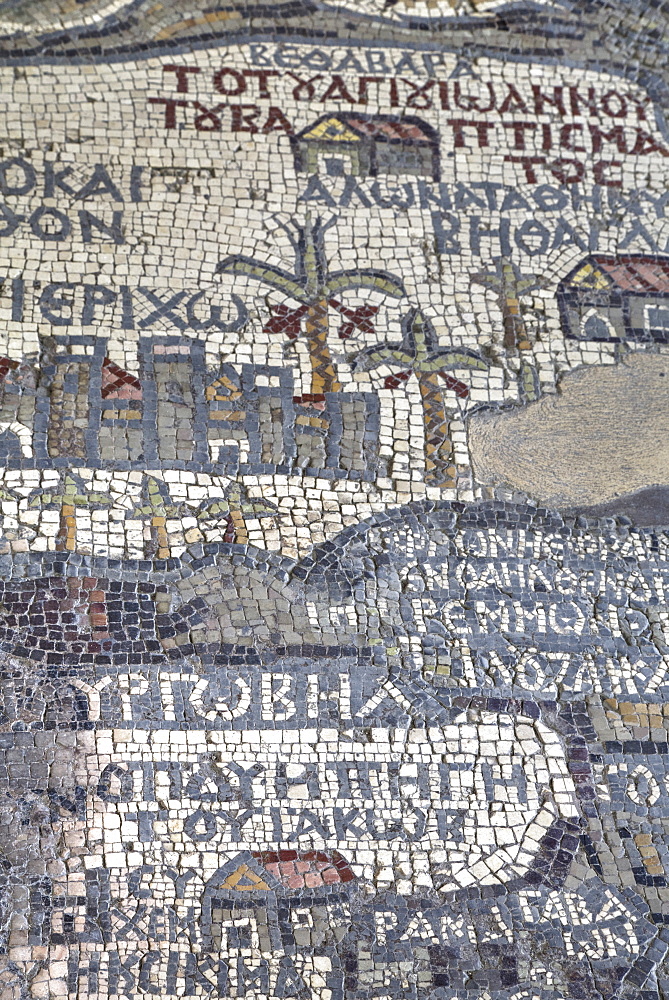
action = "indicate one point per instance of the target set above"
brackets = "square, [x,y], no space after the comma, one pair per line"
[368,145]
[293,898]
[616,298]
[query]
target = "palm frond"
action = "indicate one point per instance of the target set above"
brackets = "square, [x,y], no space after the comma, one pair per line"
[72,491]
[155,501]
[490,280]
[508,276]
[235,501]
[142,511]
[526,284]
[215,507]
[293,240]
[238,500]
[93,499]
[174,510]
[375,356]
[461,357]
[381,281]
[71,484]
[265,273]
[258,508]
[42,499]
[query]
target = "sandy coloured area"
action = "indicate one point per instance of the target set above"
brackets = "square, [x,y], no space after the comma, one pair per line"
[605,434]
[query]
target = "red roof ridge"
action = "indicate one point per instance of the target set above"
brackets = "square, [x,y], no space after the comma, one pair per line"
[388,127]
[117,383]
[634,273]
[305,869]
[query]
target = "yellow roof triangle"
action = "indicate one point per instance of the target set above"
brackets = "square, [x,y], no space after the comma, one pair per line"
[331,130]
[222,388]
[591,277]
[244,878]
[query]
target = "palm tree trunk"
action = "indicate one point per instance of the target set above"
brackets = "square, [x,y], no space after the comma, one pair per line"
[515,334]
[239,524]
[439,466]
[158,524]
[230,534]
[66,539]
[649,856]
[323,375]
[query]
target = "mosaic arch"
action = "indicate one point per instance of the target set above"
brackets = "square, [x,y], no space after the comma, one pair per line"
[334,409]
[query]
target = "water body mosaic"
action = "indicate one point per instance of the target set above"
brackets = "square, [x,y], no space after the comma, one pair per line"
[334,563]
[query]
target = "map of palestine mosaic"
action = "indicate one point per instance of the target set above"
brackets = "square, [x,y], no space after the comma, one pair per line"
[334,495]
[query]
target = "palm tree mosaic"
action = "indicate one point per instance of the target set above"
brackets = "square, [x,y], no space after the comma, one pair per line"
[316,288]
[420,355]
[68,496]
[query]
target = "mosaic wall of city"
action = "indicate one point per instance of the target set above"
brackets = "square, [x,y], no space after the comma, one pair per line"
[334,500]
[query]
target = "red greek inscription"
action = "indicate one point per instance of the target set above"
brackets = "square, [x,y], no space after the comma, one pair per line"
[182,73]
[460,124]
[363,85]
[645,144]
[512,102]
[305,88]
[567,171]
[640,104]
[600,170]
[528,164]
[171,104]
[419,98]
[577,101]
[337,91]
[541,99]
[277,122]
[244,117]
[208,119]
[220,79]
[519,129]
[614,110]
[469,102]
[615,134]
[567,139]
[262,76]
[394,94]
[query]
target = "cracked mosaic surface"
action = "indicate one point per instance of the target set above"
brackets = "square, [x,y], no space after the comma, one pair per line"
[334,496]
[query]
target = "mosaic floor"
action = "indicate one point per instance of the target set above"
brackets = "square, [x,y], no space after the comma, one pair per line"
[334,489]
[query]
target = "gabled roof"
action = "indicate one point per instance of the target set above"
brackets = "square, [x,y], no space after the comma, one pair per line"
[119,384]
[633,273]
[350,127]
[305,869]
[260,872]
[223,387]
